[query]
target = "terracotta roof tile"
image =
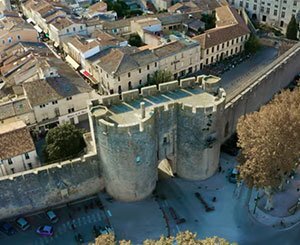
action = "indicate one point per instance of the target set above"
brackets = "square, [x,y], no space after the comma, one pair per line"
[15,140]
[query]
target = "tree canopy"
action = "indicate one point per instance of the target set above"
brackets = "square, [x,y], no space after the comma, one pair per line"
[269,140]
[252,45]
[63,141]
[292,29]
[135,40]
[185,237]
[160,76]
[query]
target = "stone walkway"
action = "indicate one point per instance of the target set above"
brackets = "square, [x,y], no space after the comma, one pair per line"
[281,216]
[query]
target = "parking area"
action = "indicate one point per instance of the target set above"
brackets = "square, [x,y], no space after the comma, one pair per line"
[74,218]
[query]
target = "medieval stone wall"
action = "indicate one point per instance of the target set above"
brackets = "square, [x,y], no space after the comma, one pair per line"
[43,187]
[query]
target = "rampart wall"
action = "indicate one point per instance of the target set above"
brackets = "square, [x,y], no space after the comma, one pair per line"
[260,89]
[43,187]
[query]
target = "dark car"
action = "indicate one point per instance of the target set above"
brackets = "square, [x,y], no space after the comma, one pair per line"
[8,229]
[233,175]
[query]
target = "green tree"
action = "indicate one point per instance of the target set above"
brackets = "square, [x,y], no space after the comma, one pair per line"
[292,29]
[135,40]
[120,7]
[209,20]
[160,76]
[269,140]
[252,45]
[63,141]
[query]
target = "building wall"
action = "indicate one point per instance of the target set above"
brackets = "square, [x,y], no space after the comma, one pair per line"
[57,35]
[181,62]
[19,163]
[277,13]
[136,77]
[223,50]
[53,110]
[25,35]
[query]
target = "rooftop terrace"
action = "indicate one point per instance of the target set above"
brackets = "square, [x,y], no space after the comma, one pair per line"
[202,92]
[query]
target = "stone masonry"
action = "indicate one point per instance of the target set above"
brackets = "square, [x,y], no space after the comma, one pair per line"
[177,122]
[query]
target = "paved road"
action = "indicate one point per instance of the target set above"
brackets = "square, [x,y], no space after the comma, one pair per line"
[230,219]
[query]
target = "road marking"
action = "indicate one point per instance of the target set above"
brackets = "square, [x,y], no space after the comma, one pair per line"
[109,213]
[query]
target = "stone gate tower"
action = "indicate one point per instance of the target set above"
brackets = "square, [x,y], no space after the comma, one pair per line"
[180,122]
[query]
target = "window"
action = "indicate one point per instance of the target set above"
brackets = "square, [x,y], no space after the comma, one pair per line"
[26,155]
[119,79]
[67,30]
[74,29]
[30,165]
[69,98]
[12,170]
[54,102]
[207,51]
[140,70]
[140,82]
[155,64]
[18,37]
[9,161]
[223,45]
[282,14]
[148,67]
[275,12]
[43,105]
[119,89]
[129,85]
[81,27]
[70,110]
[128,74]
[212,49]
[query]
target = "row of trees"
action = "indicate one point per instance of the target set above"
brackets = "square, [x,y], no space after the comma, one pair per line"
[186,237]
[270,145]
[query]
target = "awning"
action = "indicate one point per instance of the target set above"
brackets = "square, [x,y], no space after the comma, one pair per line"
[89,76]
[29,20]
[86,73]
[38,29]
[72,62]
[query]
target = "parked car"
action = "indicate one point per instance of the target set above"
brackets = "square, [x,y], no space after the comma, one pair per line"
[52,216]
[45,230]
[233,175]
[23,224]
[7,228]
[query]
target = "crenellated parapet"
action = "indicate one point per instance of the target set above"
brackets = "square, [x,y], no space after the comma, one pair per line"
[176,120]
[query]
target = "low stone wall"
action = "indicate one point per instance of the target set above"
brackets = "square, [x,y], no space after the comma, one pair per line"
[43,187]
